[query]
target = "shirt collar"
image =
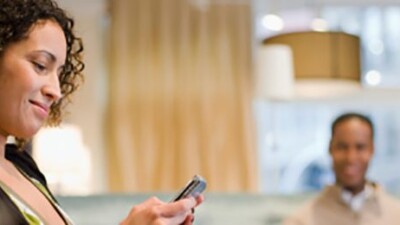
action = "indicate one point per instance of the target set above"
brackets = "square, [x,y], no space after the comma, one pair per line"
[356,202]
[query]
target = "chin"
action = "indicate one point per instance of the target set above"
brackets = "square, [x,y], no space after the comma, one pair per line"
[353,183]
[27,132]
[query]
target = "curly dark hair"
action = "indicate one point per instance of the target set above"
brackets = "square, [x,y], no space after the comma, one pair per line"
[16,19]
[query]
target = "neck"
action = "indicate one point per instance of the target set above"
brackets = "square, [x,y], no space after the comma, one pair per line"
[354,190]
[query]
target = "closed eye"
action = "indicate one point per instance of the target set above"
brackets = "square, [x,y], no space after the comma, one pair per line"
[39,67]
[341,146]
[361,147]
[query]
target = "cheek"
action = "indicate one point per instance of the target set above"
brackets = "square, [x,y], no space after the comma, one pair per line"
[10,96]
[18,97]
[366,158]
[337,158]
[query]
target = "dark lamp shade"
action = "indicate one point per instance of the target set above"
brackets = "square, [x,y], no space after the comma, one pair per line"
[323,55]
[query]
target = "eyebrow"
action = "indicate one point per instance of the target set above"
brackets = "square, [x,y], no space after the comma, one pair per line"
[52,57]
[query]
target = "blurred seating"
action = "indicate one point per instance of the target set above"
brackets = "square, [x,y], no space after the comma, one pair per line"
[218,209]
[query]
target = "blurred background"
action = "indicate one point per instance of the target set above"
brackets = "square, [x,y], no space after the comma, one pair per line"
[182,87]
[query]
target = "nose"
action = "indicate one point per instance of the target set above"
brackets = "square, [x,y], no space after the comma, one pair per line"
[351,155]
[52,89]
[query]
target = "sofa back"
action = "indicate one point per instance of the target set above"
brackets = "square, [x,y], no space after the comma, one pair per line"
[218,209]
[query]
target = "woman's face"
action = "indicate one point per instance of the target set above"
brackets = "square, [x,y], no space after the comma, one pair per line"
[29,84]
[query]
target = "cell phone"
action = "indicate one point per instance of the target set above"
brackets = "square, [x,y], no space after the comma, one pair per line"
[193,188]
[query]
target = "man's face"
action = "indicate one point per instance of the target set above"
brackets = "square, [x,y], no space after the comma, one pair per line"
[351,149]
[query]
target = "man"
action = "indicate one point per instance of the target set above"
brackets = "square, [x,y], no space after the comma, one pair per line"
[353,199]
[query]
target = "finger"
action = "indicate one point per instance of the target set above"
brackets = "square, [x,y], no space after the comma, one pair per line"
[149,202]
[199,199]
[183,206]
[189,220]
[177,219]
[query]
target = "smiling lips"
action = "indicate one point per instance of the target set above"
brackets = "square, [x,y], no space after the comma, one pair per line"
[43,109]
[351,170]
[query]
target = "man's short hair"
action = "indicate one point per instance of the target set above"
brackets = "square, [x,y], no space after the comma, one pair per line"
[352,115]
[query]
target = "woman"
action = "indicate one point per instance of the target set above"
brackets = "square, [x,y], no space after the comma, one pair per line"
[40,67]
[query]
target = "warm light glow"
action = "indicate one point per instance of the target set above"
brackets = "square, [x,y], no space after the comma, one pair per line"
[63,157]
[272,22]
[325,88]
[373,77]
[274,72]
[319,24]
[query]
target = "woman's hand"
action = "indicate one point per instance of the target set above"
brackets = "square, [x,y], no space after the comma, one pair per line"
[155,212]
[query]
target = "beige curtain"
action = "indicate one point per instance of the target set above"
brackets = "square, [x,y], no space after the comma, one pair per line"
[180,101]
